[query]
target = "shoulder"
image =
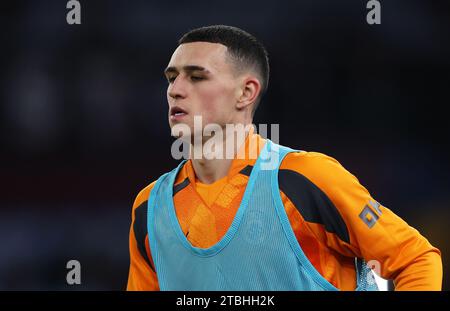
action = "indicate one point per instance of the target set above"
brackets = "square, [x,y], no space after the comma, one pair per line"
[319,187]
[310,158]
[319,168]
[139,210]
[138,232]
[143,195]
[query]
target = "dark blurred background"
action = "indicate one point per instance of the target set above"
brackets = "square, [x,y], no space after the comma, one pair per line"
[83,116]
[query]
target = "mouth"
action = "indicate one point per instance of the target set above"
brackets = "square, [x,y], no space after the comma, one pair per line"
[177,113]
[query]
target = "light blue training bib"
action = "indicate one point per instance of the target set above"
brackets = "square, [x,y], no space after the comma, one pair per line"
[259,252]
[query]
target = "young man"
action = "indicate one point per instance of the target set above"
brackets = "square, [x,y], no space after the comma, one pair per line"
[229,224]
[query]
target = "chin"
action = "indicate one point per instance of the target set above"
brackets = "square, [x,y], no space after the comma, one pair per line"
[180,129]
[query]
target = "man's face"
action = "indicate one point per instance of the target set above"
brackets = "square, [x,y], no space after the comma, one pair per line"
[202,82]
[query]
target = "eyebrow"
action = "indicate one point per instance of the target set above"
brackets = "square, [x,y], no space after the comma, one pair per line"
[187,68]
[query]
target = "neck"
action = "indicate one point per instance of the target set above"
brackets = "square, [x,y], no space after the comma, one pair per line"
[208,170]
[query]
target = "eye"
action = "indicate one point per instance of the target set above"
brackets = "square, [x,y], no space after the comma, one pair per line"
[171,79]
[197,78]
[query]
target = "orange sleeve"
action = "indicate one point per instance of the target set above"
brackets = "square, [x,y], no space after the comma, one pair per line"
[374,231]
[141,275]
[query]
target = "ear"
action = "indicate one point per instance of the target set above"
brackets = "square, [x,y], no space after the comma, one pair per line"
[251,87]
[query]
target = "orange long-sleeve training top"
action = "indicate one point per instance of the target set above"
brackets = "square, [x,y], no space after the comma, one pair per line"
[333,216]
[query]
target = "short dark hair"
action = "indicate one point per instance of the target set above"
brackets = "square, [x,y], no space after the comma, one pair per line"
[246,51]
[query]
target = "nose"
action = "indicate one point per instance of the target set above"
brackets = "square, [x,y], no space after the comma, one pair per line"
[177,88]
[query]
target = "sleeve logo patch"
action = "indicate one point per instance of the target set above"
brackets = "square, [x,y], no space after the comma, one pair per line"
[369,216]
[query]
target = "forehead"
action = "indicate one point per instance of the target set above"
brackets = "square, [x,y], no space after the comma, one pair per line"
[212,56]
